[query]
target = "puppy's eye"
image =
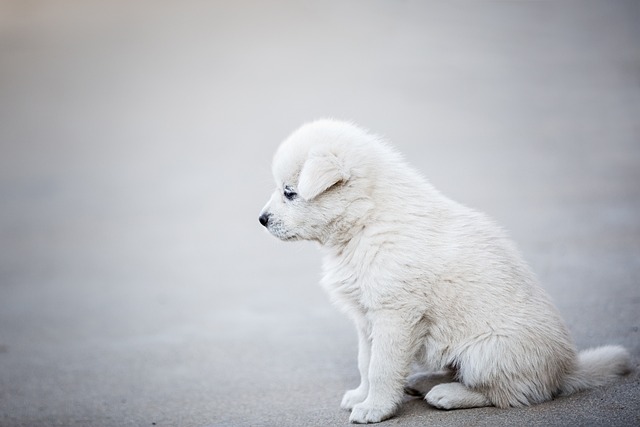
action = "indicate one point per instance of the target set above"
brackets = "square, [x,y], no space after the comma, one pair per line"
[289,193]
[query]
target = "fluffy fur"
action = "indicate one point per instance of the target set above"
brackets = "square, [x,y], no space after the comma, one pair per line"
[426,280]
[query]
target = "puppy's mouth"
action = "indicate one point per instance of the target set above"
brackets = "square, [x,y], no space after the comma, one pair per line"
[277,231]
[290,238]
[285,237]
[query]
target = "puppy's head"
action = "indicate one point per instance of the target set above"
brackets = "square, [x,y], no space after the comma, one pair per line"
[317,191]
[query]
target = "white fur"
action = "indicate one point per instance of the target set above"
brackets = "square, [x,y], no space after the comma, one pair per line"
[425,279]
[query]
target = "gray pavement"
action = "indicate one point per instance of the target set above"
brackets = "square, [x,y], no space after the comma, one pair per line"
[137,287]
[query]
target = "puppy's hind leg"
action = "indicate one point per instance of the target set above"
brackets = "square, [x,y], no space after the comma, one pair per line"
[456,396]
[419,384]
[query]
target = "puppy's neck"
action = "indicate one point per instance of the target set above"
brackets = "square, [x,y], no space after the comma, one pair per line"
[348,226]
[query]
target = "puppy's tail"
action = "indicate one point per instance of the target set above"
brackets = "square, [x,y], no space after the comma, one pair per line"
[596,367]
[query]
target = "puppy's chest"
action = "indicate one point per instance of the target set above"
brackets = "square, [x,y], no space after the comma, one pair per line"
[349,284]
[343,286]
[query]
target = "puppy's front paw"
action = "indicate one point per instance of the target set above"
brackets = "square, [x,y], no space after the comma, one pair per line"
[352,397]
[364,413]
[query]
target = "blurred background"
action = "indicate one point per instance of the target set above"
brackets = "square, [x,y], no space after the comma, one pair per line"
[136,284]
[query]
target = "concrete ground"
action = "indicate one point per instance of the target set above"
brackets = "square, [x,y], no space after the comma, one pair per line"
[137,287]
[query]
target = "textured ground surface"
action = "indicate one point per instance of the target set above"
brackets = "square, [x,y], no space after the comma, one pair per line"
[137,287]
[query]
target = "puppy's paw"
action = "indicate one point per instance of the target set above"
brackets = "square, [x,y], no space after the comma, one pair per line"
[352,397]
[419,384]
[456,396]
[364,413]
[440,397]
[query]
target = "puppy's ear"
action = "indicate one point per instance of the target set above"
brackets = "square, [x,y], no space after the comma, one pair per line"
[320,172]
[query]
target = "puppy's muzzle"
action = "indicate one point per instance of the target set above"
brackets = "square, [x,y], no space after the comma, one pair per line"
[264,218]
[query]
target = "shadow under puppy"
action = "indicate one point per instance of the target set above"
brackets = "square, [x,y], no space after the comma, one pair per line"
[426,280]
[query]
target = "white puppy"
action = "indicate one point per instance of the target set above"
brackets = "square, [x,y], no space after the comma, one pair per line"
[425,279]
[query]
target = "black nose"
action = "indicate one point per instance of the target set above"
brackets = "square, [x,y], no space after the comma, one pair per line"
[264,219]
